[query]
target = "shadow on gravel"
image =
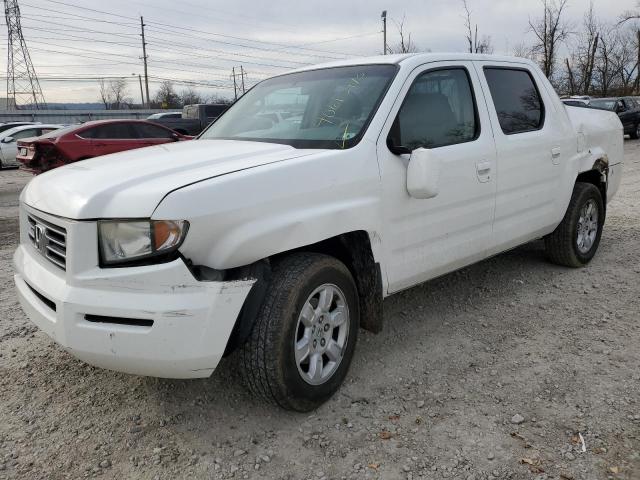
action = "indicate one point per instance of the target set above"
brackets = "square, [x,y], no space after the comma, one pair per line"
[411,317]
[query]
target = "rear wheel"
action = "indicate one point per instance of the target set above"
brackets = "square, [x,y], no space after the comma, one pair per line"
[575,241]
[305,333]
[635,134]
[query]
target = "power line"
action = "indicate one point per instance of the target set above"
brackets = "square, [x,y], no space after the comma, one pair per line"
[195,30]
[178,44]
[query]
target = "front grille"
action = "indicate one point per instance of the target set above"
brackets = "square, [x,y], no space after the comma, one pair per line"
[50,240]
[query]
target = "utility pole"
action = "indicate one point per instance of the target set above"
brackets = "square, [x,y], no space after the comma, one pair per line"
[384,31]
[235,86]
[144,58]
[242,74]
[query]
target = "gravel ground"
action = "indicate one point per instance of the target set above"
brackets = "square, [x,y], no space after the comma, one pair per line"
[497,371]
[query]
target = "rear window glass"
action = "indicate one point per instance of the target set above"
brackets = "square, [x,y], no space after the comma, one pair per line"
[145,130]
[516,99]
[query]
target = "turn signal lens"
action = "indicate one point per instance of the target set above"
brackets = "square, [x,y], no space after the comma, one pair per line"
[167,233]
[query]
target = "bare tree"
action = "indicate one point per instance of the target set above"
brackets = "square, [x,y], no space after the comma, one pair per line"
[583,57]
[550,31]
[113,93]
[190,96]
[218,99]
[166,96]
[631,14]
[405,45]
[475,46]
[523,50]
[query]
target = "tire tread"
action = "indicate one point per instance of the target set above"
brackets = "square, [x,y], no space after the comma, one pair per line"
[258,369]
[559,245]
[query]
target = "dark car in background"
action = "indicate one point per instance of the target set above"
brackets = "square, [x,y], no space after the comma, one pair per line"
[627,108]
[91,139]
[194,119]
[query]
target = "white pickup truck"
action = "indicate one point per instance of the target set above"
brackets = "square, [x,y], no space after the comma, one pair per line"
[278,232]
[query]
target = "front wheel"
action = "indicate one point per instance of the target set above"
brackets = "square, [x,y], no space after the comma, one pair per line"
[635,134]
[575,241]
[304,336]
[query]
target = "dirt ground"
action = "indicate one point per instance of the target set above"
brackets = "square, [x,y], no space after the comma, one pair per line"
[498,371]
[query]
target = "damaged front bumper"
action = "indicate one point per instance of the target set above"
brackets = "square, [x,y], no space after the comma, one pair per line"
[155,320]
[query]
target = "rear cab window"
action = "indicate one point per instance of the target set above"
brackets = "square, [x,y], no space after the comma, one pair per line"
[516,98]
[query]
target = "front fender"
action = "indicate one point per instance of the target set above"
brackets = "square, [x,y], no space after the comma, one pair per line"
[242,217]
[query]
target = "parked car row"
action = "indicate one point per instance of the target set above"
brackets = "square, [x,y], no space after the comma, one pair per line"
[91,139]
[627,108]
[38,148]
[9,138]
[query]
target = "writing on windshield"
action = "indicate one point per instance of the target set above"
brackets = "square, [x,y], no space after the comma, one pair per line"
[323,108]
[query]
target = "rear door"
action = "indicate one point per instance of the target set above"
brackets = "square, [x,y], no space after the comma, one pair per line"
[531,144]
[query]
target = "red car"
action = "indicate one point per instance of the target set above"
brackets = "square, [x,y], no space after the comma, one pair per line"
[91,139]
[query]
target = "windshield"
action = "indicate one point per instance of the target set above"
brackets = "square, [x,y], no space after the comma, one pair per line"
[606,104]
[328,108]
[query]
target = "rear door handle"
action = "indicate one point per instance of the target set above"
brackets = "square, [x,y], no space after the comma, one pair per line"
[483,170]
[483,167]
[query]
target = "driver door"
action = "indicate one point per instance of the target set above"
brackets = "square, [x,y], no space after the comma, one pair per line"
[441,108]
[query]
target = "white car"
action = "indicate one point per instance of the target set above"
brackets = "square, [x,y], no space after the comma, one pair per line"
[9,139]
[159,115]
[281,239]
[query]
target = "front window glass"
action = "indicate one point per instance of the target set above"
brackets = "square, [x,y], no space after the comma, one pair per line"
[438,110]
[328,108]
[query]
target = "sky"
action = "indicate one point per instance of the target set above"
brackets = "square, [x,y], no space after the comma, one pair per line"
[196,43]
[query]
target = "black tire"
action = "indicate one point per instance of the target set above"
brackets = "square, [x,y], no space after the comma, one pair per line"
[635,133]
[562,245]
[267,359]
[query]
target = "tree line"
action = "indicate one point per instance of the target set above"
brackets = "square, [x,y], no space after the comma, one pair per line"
[591,57]
[114,95]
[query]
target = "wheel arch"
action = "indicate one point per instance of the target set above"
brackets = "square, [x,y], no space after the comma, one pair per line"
[354,249]
[597,175]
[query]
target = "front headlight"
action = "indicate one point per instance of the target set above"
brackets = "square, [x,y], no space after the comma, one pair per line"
[130,240]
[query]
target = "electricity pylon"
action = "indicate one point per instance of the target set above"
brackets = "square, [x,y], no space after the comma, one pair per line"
[23,87]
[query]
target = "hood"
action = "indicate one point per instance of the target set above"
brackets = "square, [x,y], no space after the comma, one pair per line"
[131,184]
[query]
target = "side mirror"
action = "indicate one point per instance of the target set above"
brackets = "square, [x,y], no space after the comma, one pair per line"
[8,140]
[620,108]
[175,136]
[423,174]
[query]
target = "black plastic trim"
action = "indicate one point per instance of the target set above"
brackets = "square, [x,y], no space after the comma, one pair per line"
[134,322]
[49,303]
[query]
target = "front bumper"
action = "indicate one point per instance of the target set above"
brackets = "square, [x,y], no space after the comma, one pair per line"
[192,320]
